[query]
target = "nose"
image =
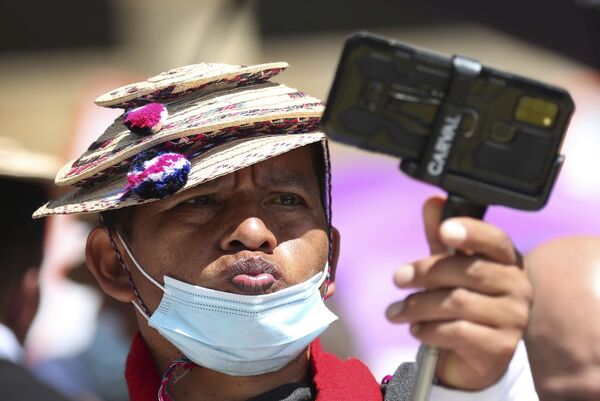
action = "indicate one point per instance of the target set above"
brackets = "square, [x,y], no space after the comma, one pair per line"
[251,234]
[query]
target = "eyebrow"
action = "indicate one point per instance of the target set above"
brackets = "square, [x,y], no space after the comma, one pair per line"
[210,184]
[292,180]
[279,180]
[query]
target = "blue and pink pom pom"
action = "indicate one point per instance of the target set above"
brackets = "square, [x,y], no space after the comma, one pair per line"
[147,119]
[156,175]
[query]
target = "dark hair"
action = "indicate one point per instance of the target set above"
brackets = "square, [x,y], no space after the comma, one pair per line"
[22,238]
[118,220]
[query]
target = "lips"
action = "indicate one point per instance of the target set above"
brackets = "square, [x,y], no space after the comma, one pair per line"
[253,275]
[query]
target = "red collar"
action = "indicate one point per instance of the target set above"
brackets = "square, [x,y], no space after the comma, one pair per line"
[335,380]
[338,380]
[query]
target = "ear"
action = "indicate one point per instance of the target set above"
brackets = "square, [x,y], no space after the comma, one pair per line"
[335,254]
[104,264]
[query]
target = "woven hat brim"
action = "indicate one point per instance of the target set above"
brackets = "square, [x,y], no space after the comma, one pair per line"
[192,116]
[216,162]
[183,79]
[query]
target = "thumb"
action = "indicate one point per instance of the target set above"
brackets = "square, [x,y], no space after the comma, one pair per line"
[432,218]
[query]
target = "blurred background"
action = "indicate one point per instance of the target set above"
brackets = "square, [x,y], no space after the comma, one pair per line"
[57,56]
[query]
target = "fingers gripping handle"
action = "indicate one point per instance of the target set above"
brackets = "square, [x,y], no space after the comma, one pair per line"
[428,356]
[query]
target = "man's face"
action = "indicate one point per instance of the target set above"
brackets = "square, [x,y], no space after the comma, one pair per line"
[254,231]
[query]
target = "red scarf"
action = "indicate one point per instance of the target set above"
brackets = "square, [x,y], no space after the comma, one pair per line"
[334,379]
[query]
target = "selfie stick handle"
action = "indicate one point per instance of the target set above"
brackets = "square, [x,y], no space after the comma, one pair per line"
[457,206]
[426,363]
[427,356]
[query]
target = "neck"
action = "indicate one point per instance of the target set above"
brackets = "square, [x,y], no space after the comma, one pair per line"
[202,384]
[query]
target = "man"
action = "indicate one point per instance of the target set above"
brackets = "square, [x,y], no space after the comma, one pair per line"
[564,331]
[24,177]
[214,193]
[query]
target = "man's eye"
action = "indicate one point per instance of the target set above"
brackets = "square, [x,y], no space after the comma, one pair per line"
[288,200]
[200,201]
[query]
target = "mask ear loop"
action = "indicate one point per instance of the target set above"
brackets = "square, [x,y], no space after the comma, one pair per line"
[326,282]
[139,305]
[135,262]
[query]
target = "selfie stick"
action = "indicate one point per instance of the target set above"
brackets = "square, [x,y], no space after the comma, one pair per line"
[464,71]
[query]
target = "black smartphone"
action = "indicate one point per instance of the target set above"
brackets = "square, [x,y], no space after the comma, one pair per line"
[482,134]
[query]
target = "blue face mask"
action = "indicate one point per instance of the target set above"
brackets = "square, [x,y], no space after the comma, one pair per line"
[239,335]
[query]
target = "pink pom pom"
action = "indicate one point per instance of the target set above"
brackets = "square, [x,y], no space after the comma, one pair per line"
[146,120]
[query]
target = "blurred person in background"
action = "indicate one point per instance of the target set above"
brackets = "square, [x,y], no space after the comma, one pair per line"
[97,372]
[24,181]
[563,337]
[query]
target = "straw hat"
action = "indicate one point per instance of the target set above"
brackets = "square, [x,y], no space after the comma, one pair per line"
[182,128]
[17,162]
